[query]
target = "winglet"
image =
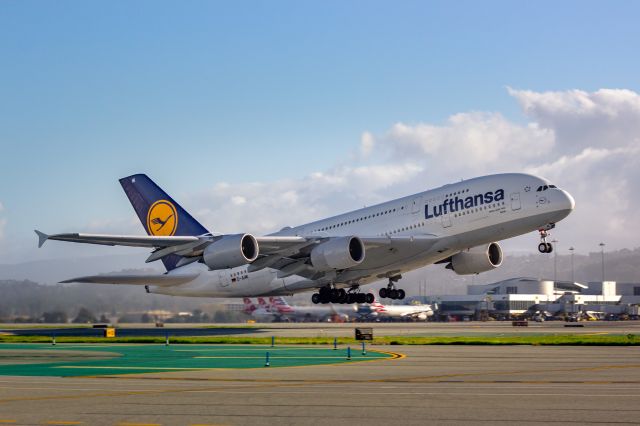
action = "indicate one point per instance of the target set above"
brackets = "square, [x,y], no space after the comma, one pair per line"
[42,237]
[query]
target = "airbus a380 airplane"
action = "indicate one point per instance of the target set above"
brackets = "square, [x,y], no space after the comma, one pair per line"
[457,225]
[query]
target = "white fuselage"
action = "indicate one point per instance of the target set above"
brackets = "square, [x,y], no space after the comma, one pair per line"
[460,215]
[421,312]
[319,313]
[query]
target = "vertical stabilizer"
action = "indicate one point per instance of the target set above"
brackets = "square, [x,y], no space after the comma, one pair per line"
[159,214]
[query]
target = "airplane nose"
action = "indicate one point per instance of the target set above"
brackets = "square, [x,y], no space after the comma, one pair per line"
[568,200]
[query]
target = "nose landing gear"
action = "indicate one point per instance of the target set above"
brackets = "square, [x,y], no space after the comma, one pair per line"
[544,246]
[391,292]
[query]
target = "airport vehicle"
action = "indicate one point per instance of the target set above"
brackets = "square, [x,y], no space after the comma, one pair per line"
[457,225]
[418,312]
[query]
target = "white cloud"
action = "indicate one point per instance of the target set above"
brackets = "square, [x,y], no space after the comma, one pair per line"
[468,144]
[238,200]
[606,118]
[604,183]
[270,206]
[367,143]
[586,142]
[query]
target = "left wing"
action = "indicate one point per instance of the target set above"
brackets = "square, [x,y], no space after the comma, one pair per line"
[290,255]
[156,279]
[118,240]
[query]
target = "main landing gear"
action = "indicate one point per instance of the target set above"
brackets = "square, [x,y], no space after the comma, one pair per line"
[544,246]
[330,294]
[391,292]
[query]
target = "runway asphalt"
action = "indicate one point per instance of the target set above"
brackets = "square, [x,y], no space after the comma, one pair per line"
[427,385]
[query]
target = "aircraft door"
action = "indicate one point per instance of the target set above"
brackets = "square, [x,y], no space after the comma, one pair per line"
[515,201]
[223,276]
[416,205]
[446,220]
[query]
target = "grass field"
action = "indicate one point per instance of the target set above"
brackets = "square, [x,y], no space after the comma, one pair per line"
[559,339]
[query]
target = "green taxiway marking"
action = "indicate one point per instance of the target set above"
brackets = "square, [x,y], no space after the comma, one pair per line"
[32,359]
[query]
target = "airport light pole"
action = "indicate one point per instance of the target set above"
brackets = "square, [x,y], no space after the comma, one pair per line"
[555,261]
[602,252]
[572,268]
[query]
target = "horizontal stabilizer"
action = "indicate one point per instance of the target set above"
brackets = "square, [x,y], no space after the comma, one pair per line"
[157,280]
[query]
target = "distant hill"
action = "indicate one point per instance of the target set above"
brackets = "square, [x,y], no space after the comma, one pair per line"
[29,299]
[20,293]
[55,270]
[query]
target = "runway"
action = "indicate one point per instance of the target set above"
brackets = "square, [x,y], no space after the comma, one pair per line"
[430,384]
[492,328]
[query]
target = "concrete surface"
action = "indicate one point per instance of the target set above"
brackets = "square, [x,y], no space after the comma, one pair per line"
[430,385]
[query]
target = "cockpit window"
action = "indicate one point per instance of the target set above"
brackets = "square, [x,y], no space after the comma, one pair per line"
[545,187]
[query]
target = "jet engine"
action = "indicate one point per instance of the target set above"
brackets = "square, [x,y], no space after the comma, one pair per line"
[476,259]
[231,251]
[338,253]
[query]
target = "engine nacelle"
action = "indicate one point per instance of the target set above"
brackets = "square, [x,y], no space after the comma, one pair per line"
[338,253]
[477,259]
[231,251]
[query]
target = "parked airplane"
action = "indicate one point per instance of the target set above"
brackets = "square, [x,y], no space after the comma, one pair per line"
[457,225]
[259,313]
[420,312]
[280,307]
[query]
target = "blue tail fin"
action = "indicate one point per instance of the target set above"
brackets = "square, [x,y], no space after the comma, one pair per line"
[159,213]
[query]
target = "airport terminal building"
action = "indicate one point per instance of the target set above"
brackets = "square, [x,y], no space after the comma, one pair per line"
[530,296]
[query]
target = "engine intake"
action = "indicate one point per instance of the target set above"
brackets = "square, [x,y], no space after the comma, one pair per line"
[477,259]
[231,251]
[338,253]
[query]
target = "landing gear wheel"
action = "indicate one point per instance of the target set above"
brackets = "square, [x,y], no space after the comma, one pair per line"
[361,298]
[393,293]
[315,298]
[544,246]
[370,298]
[401,294]
[349,298]
[325,298]
[342,296]
[383,293]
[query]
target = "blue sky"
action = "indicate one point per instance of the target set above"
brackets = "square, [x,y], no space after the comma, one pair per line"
[196,93]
